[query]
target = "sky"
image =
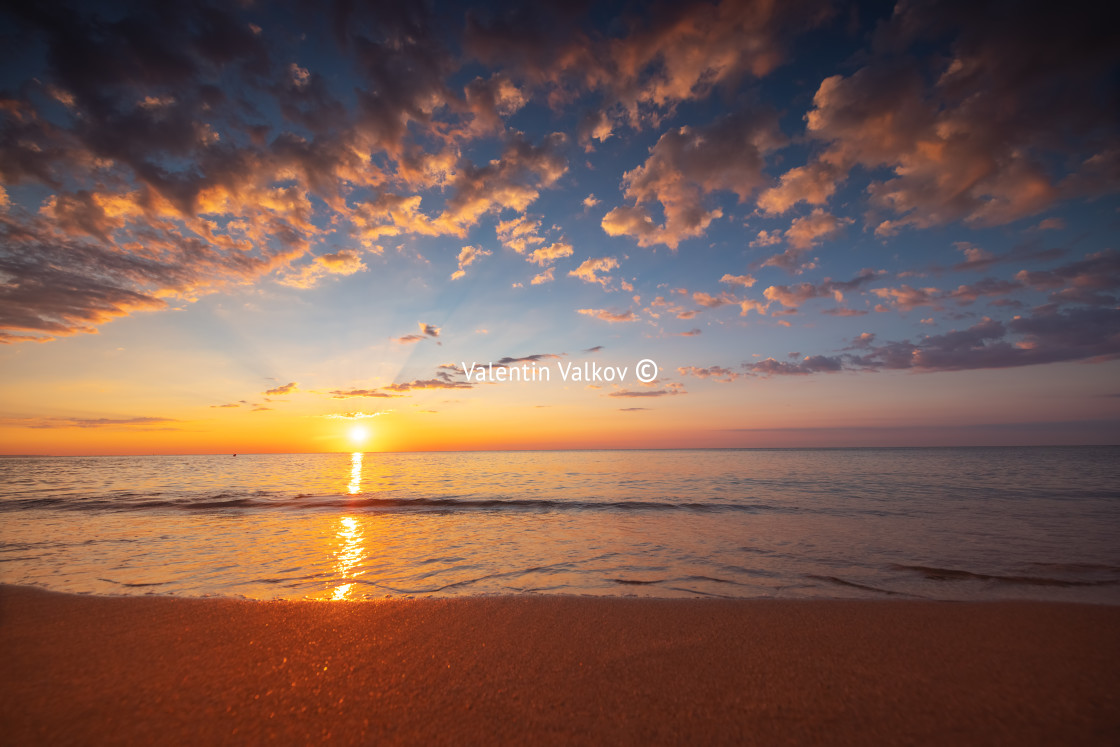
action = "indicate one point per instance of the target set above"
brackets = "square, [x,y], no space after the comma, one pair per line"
[290,226]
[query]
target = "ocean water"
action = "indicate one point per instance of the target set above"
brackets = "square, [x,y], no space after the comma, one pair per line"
[966,524]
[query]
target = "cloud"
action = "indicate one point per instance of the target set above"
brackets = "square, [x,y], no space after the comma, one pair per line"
[1096,272]
[351,393]
[589,269]
[468,255]
[976,140]
[690,333]
[906,298]
[135,423]
[683,167]
[791,260]
[663,56]
[512,181]
[808,231]
[672,390]
[979,259]
[393,215]
[549,254]
[813,183]
[1046,336]
[1050,224]
[609,315]
[794,296]
[766,238]
[281,390]
[967,294]
[354,415]
[436,383]
[342,262]
[745,281]
[426,331]
[709,301]
[808,365]
[844,312]
[492,99]
[715,373]
[519,233]
[250,165]
[535,358]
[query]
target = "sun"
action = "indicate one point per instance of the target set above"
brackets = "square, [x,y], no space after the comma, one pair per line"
[358,435]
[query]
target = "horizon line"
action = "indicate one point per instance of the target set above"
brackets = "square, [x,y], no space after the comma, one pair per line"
[591,448]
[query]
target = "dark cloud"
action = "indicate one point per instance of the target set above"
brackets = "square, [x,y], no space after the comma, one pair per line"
[653,58]
[54,284]
[440,382]
[808,365]
[535,358]
[1047,336]
[977,259]
[426,331]
[973,132]
[715,373]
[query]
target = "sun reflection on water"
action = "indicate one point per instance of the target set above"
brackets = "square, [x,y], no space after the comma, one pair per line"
[349,553]
[355,473]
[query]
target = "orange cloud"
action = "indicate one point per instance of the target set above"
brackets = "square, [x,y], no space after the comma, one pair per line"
[608,315]
[589,270]
[468,255]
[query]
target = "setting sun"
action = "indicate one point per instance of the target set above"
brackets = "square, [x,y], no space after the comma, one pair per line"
[358,435]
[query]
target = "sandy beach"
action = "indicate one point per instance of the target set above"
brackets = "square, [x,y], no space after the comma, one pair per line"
[555,670]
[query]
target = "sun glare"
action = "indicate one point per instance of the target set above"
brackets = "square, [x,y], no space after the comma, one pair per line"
[358,435]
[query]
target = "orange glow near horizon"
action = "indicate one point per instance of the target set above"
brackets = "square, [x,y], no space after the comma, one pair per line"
[792,414]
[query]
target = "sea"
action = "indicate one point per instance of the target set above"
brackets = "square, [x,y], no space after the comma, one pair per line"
[873,523]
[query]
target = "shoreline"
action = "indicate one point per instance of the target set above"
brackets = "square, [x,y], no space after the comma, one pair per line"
[556,669]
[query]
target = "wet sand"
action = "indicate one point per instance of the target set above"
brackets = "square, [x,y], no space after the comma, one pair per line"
[77,669]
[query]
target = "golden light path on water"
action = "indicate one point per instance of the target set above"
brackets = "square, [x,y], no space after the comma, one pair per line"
[355,473]
[349,534]
[349,553]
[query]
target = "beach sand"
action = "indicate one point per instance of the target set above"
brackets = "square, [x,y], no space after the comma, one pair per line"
[80,669]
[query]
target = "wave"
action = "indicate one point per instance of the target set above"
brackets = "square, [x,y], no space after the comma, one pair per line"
[949,574]
[257,501]
[852,584]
